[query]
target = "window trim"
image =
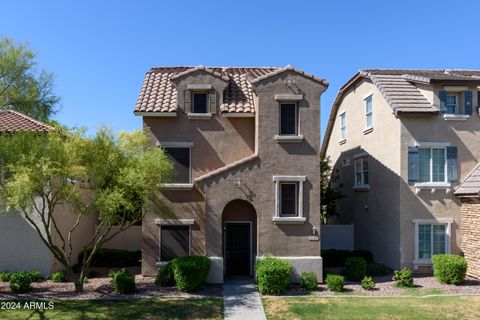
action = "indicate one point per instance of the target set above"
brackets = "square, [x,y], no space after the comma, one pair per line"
[300,217]
[297,125]
[445,169]
[457,100]
[172,223]
[183,145]
[280,213]
[448,236]
[367,127]
[192,99]
[363,185]
[343,127]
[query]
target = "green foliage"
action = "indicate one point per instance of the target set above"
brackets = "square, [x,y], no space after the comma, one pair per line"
[308,281]
[335,282]
[124,281]
[20,282]
[449,268]
[273,275]
[329,194]
[403,278]
[58,276]
[4,276]
[113,258]
[377,269]
[355,268]
[336,258]
[190,272]
[22,87]
[165,276]
[368,283]
[35,276]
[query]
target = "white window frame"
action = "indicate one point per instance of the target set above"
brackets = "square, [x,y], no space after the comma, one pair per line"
[345,162]
[184,145]
[343,126]
[456,96]
[299,181]
[370,113]
[445,174]
[361,159]
[178,223]
[448,235]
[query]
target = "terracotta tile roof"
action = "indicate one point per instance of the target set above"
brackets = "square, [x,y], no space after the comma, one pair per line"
[471,184]
[13,121]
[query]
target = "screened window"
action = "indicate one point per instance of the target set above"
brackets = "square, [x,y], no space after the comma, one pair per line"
[288,199]
[432,239]
[180,158]
[288,119]
[368,112]
[174,242]
[200,102]
[452,104]
[361,172]
[343,126]
[432,164]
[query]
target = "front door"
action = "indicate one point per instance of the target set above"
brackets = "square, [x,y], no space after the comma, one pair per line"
[237,248]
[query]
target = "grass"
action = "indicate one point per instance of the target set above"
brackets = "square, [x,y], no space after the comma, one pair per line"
[421,292]
[412,308]
[160,308]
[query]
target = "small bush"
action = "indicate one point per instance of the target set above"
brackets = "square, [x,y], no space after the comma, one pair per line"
[4,276]
[308,281]
[190,272]
[367,283]
[336,258]
[449,268]
[403,278]
[58,276]
[273,275]
[124,281]
[113,258]
[35,276]
[335,282]
[20,282]
[165,277]
[355,268]
[377,269]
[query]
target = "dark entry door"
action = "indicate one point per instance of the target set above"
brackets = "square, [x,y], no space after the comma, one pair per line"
[237,247]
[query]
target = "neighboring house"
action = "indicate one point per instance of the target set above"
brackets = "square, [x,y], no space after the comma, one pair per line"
[404,144]
[245,147]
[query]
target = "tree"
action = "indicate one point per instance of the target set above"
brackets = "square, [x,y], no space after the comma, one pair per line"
[22,87]
[120,172]
[329,194]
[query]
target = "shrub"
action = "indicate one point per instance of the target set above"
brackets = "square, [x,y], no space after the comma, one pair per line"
[308,281]
[165,277]
[273,275]
[355,268]
[449,268]
[337,258]
[367,283]
[35,276]
[4,276]
[124,281]
[403,278]
[377,269]
[58,276]
[190,272]
[20,282]
[335,282]
[113,258]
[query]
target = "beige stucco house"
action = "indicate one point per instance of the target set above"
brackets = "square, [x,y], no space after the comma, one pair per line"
[245,145]
[404,144]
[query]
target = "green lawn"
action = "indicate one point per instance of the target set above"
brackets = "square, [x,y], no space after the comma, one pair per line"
[181,308]
[421,308]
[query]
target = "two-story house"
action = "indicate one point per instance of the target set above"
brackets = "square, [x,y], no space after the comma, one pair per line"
[245,146]
[403,144]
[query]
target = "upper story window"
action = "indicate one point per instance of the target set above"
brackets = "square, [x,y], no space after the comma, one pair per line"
[180,155]
[452,103]
[432,162]
[289,199]
[361,172]
[288,119]
[456,101]
[432,165]
[200,102]
[343,127]
[368,112]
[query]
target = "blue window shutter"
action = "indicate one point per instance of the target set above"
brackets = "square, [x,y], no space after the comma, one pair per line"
[468,95]
[452,164]
[442,95]
[413,171]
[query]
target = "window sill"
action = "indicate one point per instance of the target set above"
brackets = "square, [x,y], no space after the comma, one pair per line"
[289,220]
[456,117]
[161,263]
[343,141]
[422,262]
[175,222]
[361,188]
[367,130]
[199,116]
[433,186]
[177,186]
[288,139]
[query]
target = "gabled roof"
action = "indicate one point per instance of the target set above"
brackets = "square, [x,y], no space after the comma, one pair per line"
[13,121]
[290,68]
[471,185]
[199,68]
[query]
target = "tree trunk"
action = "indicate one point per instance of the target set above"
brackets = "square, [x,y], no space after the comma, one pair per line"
[79,285]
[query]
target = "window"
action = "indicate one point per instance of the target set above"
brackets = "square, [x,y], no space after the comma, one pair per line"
[343,127]
[345,162]
[368,112]
[288,199]
[181,164]
[288,119]
[174,241]
[431,237]
[200,100]
[361,172]
[432,165]
[452,104]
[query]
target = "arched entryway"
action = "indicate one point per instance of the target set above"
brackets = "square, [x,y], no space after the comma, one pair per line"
[239,220]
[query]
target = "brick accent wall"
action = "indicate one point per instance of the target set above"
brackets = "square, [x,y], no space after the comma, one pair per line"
[471,235]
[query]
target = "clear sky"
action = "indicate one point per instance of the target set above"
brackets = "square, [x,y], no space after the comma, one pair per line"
[100,50]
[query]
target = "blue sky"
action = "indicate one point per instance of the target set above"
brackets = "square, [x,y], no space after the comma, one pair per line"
[100,50]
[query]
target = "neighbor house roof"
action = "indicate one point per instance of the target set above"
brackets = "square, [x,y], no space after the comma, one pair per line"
[398,89]
[13,121]
[159,94]
[471,185]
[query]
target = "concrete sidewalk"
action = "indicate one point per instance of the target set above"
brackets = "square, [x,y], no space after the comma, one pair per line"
[241,300]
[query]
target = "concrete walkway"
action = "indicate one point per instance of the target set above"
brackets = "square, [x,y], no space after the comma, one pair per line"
[241,300]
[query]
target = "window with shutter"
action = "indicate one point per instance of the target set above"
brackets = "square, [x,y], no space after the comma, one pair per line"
[200,104]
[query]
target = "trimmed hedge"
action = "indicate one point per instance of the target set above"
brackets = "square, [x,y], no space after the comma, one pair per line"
[403,278]
[308,281]
[165,276]
[113,258]
[336,258]
[20,282]
[273,275]
[190,272]
[449,268]
[335,282]
[124,281]
[378,269]
[355,268]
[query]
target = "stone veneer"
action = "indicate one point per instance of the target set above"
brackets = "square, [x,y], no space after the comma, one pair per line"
[471,235]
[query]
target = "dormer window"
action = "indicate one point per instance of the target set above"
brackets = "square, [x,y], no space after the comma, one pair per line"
[200,102]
